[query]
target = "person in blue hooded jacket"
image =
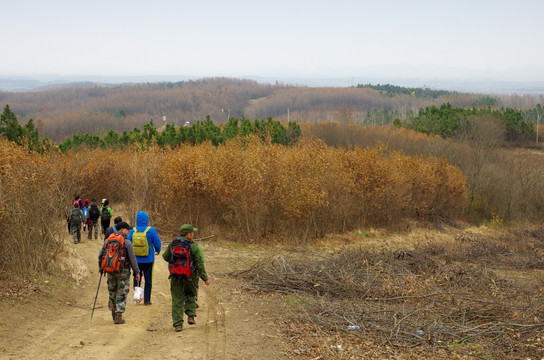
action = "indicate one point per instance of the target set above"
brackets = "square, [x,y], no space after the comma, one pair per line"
[145,255]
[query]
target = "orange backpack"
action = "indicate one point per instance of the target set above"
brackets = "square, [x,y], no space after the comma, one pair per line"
[113,254]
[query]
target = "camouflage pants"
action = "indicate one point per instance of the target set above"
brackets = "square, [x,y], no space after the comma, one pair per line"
[118,287]
[76,232]
[93,224]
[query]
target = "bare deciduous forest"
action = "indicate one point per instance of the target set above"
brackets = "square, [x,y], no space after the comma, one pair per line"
[434,244]
[60,113]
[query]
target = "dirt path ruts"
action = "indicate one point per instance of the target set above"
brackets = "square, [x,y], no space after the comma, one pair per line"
[58,327]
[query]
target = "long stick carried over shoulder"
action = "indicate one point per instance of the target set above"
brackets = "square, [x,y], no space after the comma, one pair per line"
[204,238]
[97,289]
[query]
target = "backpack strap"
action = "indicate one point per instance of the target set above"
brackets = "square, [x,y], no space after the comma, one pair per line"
[145,231]
[124,244]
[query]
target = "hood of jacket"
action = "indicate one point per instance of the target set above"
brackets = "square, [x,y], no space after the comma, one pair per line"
[142,219]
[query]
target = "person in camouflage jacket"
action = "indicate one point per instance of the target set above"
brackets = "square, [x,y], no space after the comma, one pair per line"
[119,283]
[76,219]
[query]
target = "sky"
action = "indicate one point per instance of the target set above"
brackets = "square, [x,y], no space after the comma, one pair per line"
[440,39]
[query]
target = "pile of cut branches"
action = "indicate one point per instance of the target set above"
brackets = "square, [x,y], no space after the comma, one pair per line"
[411,298]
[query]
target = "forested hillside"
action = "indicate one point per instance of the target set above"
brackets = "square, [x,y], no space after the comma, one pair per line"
[467,130]
[60,113]
[331,173]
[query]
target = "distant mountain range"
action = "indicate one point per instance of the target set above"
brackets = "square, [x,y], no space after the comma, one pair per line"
[484,86]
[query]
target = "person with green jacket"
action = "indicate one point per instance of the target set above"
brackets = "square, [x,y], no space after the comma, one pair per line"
[183,289]
[106,213]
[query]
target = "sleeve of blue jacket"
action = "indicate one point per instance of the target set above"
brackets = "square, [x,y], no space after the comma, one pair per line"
[154,238]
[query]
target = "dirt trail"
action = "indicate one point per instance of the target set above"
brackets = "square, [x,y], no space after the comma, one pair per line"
[230,323]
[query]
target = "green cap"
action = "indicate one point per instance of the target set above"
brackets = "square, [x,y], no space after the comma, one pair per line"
[186,228]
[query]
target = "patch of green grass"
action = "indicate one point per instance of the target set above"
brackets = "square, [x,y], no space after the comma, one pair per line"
[362,233]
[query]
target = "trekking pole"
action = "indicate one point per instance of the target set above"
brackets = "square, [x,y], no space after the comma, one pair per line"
[99,280]
[204,238]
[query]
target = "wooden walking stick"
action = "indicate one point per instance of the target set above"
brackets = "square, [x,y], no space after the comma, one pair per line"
[97,289]
[204,238]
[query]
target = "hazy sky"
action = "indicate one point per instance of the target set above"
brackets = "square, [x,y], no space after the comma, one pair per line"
[432,38]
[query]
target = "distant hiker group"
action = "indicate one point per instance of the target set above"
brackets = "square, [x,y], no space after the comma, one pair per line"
[127,248]
[86,214]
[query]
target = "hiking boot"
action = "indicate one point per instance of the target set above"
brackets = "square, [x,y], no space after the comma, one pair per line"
[178,328]
[147,304]
[119,319]
[191,320]
[113,315]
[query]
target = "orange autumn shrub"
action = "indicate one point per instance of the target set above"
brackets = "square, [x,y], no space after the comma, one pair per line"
[32,210]
[256,189]
[246,189]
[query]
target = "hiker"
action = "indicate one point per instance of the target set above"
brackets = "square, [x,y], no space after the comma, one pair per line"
[76,218]
[112,229]
[106,213]
[85,215]
[146,243]
[79,201]
[182,273]
[119,282]
[93,213]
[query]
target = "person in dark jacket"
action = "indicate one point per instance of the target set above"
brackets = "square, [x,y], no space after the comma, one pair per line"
[93,214]
[146,262]
[106,213]
[119,283]
[113,228]
[183,290]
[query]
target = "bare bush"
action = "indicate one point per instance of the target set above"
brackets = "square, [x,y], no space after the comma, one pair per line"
[307,190]
[33,199]
[501,183]
[248,187]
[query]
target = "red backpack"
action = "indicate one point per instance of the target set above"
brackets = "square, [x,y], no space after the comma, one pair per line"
[181,264]
[113,254]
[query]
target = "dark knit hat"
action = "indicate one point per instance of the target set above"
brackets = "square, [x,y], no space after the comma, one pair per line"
[123,225]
